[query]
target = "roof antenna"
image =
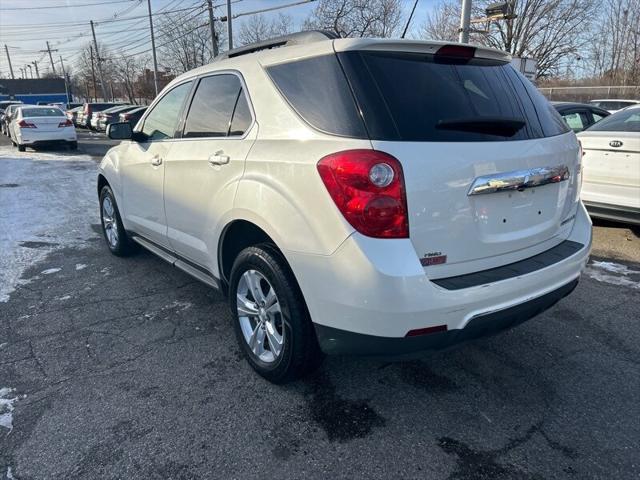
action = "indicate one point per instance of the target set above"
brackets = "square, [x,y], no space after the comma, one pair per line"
[406,27]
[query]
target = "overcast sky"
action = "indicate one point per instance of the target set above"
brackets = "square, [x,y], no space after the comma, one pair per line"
[26,25]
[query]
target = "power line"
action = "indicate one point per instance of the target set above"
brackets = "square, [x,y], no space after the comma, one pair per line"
[66,6]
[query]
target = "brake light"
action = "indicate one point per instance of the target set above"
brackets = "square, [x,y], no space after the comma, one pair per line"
[456,51]
[368,188]
[126,116]
[66,123]
[25,124]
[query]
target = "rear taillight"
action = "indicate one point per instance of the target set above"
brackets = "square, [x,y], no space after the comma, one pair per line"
[125,117]
[367,186]
[66,123]
[25,124]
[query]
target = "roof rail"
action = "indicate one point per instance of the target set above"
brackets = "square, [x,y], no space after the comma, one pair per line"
[298,38]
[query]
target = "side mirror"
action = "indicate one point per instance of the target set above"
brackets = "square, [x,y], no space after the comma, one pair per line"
[119,131]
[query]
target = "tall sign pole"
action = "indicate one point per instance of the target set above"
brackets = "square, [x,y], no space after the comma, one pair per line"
[465,21]
[66,80]
[229,26]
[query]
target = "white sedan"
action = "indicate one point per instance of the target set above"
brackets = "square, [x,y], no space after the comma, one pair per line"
[35,125]
[611,161]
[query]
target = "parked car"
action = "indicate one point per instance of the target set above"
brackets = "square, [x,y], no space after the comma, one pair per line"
[612,105]
[34,126]
[133,116]
[611,162]
[579,115]
[72,114]
[111,115]
[344,227]
[7,117]
[5,103]
[84,118]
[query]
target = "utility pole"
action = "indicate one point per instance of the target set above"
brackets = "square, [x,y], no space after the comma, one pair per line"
[153,48]
[53,67]
[30,70]
[35,62]
[66,80]
[229,28]
[99,60]
[214,39]
[465,21]
[6,49]
[93,74]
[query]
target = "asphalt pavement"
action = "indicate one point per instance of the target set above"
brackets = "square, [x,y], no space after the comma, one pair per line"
[116,368]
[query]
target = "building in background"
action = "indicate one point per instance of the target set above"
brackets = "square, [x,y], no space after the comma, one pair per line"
[34,90]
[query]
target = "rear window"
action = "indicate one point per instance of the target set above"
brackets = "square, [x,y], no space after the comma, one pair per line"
[42,112]
[419,97]
[624,121]
[613,104]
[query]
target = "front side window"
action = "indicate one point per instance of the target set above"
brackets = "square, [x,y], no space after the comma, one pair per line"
[213,106]
[162,121]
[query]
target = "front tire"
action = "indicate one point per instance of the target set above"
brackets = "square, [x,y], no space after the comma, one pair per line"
[271,321]
[113,230]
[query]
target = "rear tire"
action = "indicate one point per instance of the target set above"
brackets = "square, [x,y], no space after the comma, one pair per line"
[298,352]
[113,230]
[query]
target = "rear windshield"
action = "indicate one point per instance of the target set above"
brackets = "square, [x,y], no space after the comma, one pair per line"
[613,104]
[416,97]
[42,112]
[98,107]
[624,121]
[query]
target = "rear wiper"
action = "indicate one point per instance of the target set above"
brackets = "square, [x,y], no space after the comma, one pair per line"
[500,126]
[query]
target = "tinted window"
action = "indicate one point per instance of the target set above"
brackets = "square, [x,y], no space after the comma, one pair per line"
[212,106]
[613,104]
[42,112]
[163,119]
[241,116]
[623,121]
[418,97]
[317,90]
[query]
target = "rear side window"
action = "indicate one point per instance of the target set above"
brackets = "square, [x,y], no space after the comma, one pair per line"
[317,90]
[219,108]
[419,97]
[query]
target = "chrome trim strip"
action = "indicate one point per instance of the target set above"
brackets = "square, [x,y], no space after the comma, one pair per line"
[518,180]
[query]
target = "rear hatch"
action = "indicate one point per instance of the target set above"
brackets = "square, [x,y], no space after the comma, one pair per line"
[490,167]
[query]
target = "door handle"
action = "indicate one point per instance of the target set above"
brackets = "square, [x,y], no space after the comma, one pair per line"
[156,160]
[219,158]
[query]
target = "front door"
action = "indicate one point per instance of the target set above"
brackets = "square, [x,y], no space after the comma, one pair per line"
[201,176]
[143,166]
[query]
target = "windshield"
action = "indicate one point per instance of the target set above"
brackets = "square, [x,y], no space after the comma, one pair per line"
[623,121]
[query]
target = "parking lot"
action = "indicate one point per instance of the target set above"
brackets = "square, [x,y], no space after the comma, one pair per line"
[128,368]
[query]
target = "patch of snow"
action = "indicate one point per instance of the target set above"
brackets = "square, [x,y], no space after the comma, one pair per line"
[3,344]
[614,274]
[9,474]
[57,199]
[80,266]
[106,271]
[6,408]
[65,297]
[49,271]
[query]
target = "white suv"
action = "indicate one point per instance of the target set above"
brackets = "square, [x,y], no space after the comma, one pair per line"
[354,195]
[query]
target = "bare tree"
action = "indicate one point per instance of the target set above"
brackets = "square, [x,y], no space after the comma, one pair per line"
[126,69]
[357,18]
[551,31]
[258,28]
[442,23]
[185,43]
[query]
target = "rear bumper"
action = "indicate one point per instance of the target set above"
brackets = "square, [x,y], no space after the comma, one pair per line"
[334,341]
[377,288]
[65,135]
[616,213]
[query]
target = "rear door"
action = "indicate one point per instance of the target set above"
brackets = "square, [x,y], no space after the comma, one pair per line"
[203,168]
[143,166]
[490,167]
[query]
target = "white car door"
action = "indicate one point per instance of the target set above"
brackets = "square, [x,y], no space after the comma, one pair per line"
[143,166]
[203,169]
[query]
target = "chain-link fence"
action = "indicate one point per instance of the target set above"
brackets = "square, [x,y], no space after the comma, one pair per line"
[585,94]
